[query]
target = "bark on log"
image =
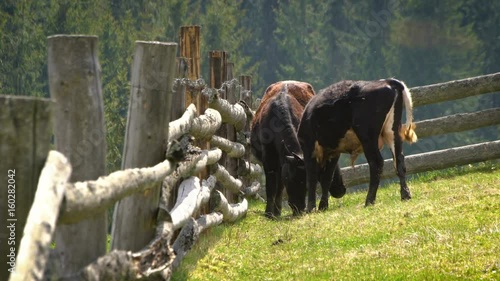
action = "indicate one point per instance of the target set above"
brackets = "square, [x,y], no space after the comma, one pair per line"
[458,122]
[182,126]
[189,168]
[153,262]
[232,149]
[204,126]
[252,190]
[25,133]
[190,198]
[84,199]
[190,234]
[79,133]
[41,223]
[227,181]
[457,89]
[233,114]
[146,139]
[434,160]
[249,170]
[230,212]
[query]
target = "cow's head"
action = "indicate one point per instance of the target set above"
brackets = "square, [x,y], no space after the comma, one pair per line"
[294,178]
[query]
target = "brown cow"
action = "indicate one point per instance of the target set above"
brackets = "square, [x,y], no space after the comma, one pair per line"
[274,143]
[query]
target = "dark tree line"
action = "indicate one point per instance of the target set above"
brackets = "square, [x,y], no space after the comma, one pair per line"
[420,42]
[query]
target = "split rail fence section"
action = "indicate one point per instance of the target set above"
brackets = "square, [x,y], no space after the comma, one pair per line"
[441,159]
[165,181]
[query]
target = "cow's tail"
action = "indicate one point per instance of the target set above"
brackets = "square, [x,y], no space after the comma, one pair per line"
[408,130]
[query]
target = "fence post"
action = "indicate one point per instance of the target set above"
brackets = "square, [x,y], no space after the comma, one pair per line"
[146,136]
[231,96]
[25,131]
[189,45]
[75,85]
[246,96]
[217,76]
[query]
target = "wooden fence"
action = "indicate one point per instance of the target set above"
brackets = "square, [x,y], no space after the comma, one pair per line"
[171,164]
[159,158]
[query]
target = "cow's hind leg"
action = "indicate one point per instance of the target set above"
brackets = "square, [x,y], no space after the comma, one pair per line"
[278,197]
[312,179]
[375,162]
[399,159]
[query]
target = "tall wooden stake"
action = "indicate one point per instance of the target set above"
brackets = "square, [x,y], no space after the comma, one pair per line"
[75,85]
[146,136]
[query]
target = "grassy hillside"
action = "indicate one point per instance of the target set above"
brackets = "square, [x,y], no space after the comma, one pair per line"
[450,230]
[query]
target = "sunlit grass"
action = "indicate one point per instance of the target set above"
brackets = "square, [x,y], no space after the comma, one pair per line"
[450,230]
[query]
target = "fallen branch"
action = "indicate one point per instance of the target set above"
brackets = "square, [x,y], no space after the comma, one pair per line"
[41,222]
[190,198]
[232,149]
[230,212]
[190,234]
[228,181]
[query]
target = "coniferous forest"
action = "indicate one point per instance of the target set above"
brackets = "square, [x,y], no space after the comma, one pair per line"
[318,41]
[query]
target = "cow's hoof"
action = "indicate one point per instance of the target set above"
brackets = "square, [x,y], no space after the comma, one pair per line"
[323,206]
[369,203]
[270,215]
[405,198]
[338,192]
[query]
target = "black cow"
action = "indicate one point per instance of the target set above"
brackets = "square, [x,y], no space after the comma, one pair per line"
[274,143]
[352,117]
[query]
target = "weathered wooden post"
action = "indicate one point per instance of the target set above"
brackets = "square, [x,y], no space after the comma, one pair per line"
[217,76]
[232,96]
[189,47]
[75,85]
[146,136]
[246,96]
[25,132]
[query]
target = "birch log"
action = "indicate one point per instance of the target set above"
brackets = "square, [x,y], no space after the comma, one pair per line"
[182,126]
[232,149]
[190,234]
[457,89]
[251,190]
[423,162]
[188,168]
[84,199]
[190,198]
[233,114]
[146,139]
[230,212]
[204,126]
[153,262]
[249,170]
[41,223]
[228,181]
[25,133]
[79,133]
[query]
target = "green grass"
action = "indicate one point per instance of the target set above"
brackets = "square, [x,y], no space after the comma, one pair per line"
[450,230]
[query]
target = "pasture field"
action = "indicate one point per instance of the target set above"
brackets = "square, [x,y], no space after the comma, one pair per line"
[450,230]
